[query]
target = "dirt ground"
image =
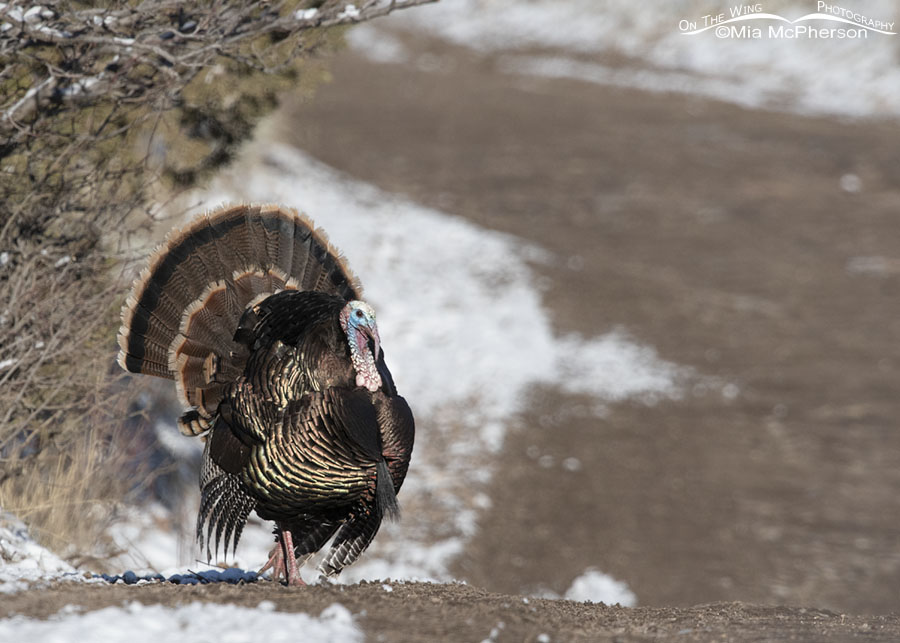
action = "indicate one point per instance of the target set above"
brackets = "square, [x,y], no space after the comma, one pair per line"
[722,237]
[417,612]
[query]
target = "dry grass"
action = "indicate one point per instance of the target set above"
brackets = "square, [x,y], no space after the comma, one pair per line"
[64,407]
[69,501]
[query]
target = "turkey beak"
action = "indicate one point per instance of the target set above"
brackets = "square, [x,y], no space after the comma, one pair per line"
[374,341]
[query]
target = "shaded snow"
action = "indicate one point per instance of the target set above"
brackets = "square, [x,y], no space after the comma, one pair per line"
[148,548]
[138,623]
[22,560]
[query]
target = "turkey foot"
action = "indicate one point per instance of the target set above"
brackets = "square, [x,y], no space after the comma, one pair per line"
[282,561]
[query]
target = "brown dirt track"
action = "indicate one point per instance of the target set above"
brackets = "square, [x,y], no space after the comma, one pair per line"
[722,237]
[417,612]
[718,235]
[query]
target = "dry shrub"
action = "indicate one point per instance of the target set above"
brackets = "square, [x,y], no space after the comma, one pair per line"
[103,107]
[62,401]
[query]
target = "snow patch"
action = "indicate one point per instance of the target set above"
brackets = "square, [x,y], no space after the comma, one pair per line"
[36,13]
[138,623]
[350,11]
[147,547]
[851,183]
[851,77]
[876,265]
[23,561]
[598,587]
[378,46]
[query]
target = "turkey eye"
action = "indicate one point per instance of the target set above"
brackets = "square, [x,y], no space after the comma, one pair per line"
[359,314]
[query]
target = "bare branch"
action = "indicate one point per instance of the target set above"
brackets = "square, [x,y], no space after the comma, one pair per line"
[161,36]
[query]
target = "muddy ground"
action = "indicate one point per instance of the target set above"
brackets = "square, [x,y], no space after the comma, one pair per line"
[724,238]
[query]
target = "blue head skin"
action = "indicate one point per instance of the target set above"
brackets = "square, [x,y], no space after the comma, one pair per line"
[358,322]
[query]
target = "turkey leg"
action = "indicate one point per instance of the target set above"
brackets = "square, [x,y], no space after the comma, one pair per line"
[282,561]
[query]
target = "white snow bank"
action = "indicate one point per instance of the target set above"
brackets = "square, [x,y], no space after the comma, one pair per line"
[22,560]
[597,587]
[138,623]
[854,77]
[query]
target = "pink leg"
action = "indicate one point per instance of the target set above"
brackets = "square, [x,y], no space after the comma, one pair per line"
[281,560]
[292,572]
[275,563]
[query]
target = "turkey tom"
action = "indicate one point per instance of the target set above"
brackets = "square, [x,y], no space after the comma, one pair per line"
[278,361]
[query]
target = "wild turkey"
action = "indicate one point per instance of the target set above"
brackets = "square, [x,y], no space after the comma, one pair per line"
[259,321]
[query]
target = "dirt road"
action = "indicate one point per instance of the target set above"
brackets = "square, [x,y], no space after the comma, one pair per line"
[416,612]
[756,247]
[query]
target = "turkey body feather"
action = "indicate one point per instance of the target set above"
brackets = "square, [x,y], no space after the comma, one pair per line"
[258,320]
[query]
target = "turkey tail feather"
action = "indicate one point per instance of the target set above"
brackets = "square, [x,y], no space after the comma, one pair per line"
[351,541]
[385,495]
[180,319]
[225,505]
[356,534]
